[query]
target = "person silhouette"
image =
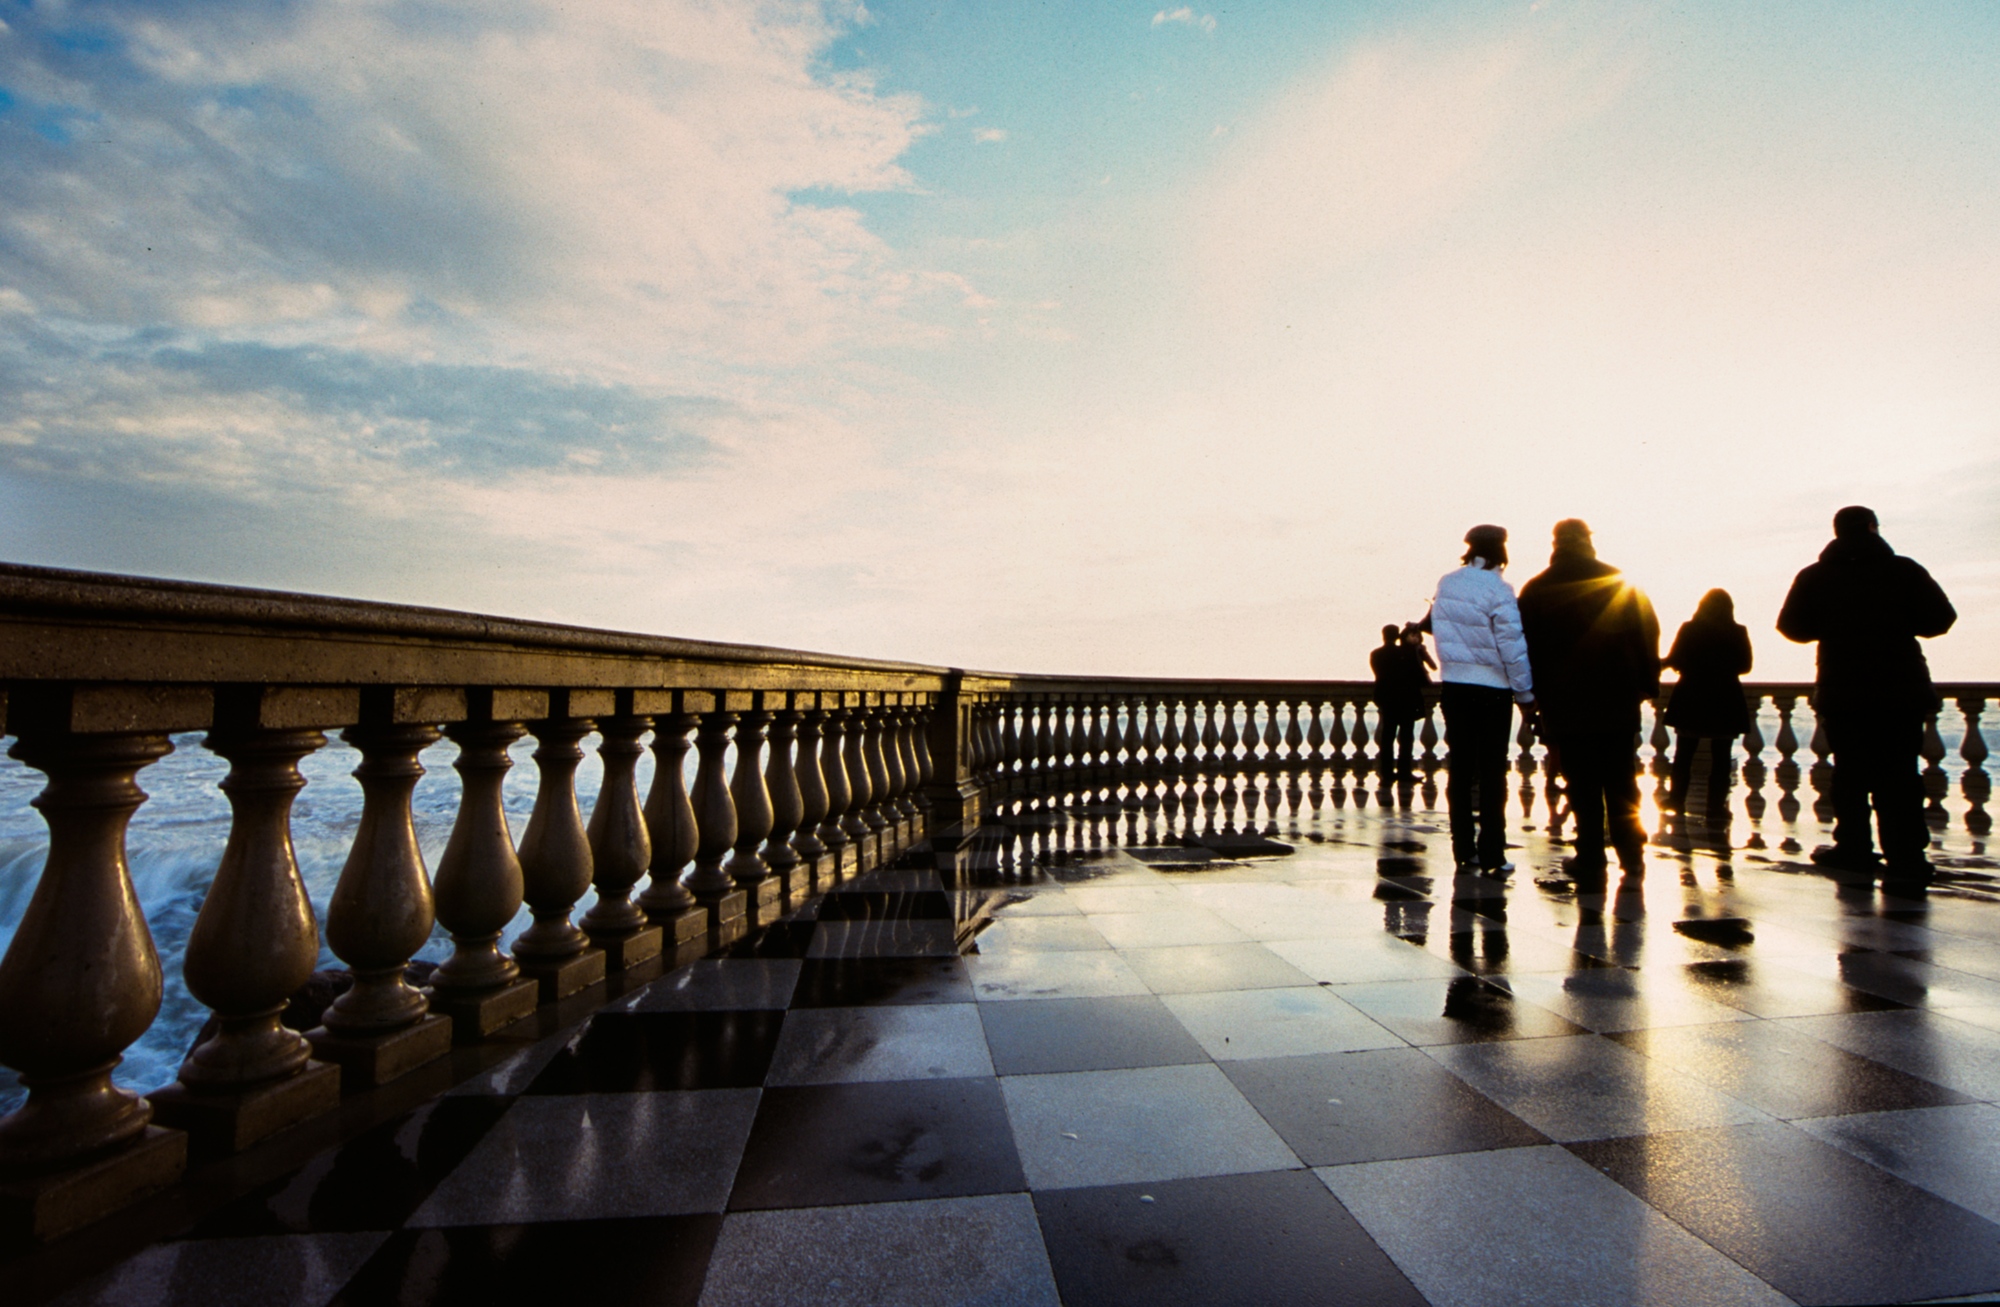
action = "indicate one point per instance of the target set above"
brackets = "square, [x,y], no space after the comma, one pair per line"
[1867,606]
[1400,680]
[1711,652]
[1595,647]
[1483,667]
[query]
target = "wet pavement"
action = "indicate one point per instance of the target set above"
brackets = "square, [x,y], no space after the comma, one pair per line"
[1250,1042]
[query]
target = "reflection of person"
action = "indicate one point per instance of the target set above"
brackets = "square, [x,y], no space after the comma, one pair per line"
[1595,646]
[1400,680]
[1867,606]
[1711,651]
[1483,664]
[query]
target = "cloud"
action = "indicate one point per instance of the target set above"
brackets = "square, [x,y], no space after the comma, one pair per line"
[1186,17]
[990,135]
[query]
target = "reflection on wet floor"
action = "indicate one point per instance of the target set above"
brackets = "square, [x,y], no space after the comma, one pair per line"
[1221,1039]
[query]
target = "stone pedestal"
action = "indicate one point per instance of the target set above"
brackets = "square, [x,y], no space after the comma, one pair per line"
[229,1121]
[727,920]
[35,1209]
[623,952]
[684,936]
[764,902]
[477,1013]
[369,1061]
[561,977]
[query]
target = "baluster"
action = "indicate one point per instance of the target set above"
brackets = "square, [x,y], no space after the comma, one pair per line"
[1211,736]
[892,766]
[1272,736]
[909,792]
[715,823]
[1787,770]
[860,784]
[253,945]
[675,835]
[1295,735]
[813,800]
[1821,773]
[1047,736]
[1337,737]
[620,847]
[1149,740]
[1935,784]
[555,860]
[79,984]
[380,914]
[1016,748]
[877,814]
[1659,740]
[752,800]
[1315,734]
[1360,735]
[479,885]
[1427,735]
[1524,742]
[839,793]
[1094,740]
[1976,786]
[920,743]
[781,781]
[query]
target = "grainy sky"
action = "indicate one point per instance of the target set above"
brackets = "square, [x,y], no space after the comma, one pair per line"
[1080,337]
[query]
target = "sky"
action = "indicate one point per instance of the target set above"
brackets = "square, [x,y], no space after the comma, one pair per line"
[1098,338]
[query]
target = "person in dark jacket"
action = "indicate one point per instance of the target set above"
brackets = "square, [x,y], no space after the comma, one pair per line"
[1400,680]
[1594,646]
[1867,606]
[1711,651]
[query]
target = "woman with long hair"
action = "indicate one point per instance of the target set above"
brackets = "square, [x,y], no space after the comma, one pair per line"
[1711,652]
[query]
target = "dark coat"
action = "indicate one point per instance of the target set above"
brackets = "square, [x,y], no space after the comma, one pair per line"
[1593,642]
[1400,679]
[1867,605]
[1711,658]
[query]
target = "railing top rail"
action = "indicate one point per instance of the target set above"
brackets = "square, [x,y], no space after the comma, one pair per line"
[75,626]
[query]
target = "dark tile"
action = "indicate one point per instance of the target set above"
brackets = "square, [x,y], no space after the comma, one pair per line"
[371,1182]
[781,939]
[1783,1071]
[1334,1108]
[821,1145]
[1768,990]
[1273,1237]
[299,1270]
[889,905]
[647,1260]
[1460,1010]
[866,982]
[633,1052]
[1807,1218]
[1085,1034]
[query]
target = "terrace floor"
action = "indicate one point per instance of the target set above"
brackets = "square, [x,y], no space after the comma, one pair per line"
[1072,1061]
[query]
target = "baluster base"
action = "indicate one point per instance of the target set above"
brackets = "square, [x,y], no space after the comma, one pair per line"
[764,902]
[230,1120]
[561,977]
[369,1061]
[728,919]
[39,1208]
[477,1013]
[622,952]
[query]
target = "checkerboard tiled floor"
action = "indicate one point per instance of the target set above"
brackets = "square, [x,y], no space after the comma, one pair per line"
[1067,1063]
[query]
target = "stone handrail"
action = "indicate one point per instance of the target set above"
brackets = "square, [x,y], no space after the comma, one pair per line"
[864,757]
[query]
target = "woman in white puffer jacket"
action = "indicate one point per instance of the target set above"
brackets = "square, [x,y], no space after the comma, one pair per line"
[1483,664]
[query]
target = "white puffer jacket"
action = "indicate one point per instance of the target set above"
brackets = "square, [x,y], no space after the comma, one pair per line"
[1477,626]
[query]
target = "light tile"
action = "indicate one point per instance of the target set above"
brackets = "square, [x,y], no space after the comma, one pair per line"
[1587,1087]
[1163,929]
[1531,1226]
[1952,1151]
[1276,1023]
[270,1271]
[1149,1123]
[1362,959]
[1096,974]
[848,1045]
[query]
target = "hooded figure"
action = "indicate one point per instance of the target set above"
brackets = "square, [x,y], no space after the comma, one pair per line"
[1711,651]
[1867,606]
[1595,647]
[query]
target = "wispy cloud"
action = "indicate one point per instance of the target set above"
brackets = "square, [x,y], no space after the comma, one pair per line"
[990,135]
[1186,17]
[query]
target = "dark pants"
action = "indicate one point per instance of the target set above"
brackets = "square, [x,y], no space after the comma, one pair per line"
[1600,771]
[1722,751]
[1875,761]
[1477,719]
[1399,734]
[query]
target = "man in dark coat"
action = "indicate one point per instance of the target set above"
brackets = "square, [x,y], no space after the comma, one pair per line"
[1867,606]
[1594,645]
[1400,679]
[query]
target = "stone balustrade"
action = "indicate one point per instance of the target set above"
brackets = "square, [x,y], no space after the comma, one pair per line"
[807,768]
